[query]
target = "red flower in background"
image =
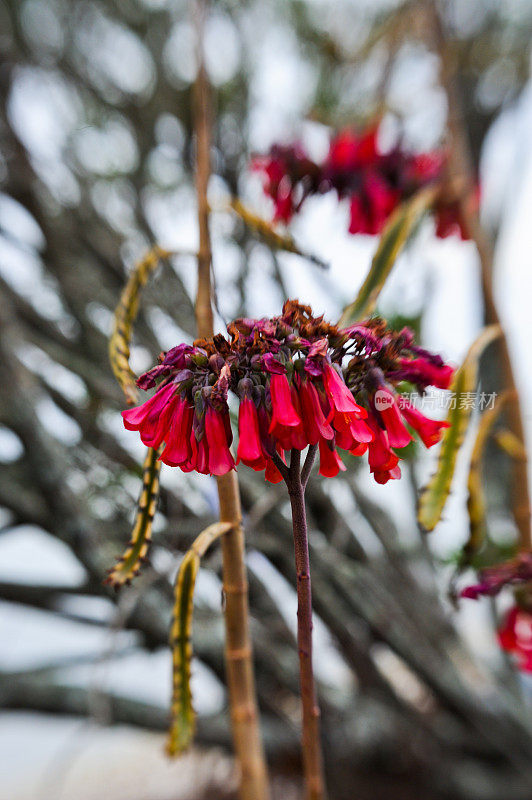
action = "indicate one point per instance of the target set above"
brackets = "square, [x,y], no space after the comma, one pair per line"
[289,175]
[300,381]
[492,579]
[515,637]
[375,182]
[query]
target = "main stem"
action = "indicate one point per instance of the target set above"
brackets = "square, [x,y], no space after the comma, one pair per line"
[312,758]
[461,171]
[238,652]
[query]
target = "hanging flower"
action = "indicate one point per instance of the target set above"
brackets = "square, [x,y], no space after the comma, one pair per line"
[299,381]
[289,176]
[374,181]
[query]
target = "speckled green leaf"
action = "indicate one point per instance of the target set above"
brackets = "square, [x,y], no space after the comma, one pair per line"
[183,722]
[476,505]
[398,231]
[435,494]
[128,566]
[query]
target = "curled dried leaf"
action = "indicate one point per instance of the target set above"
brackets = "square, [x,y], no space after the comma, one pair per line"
[183,722]
[128,566]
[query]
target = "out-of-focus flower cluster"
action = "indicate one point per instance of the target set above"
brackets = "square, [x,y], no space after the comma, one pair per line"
[515,632]
[299,381]
[510,573]
[373,181]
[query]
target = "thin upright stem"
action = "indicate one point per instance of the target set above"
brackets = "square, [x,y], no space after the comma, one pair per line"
[309,463]
[312,757]
[238,652]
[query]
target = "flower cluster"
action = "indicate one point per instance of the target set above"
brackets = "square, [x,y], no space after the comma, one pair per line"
[299,381]
[373,181]
[515,633]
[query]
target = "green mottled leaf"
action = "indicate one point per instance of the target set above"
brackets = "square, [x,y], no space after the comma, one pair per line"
[435,494]
[183,721]
[128,566]
[398,231]
[476,505]
[125,314]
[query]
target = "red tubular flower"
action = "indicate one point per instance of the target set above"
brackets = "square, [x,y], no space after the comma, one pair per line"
[344,439]
[277,185]
[515,636]
[385,475]
[202,457]
[283,411]
[249,446]
[314,420]
[294,437]
[381,457]
[144,417]
[348,152]
[389,413]
[339,396]
[426,373]
[359,449]
[156,426]
[359,220]
[361,431]
[330,461]
[380,199]
[190,465]
[351,435]
[430,430]
[178,448]
[220,459]
[271,473]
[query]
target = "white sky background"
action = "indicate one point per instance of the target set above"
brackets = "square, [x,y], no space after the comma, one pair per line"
[441,274]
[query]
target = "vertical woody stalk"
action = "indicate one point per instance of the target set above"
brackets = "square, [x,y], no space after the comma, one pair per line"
[461,174]
[238,654]
[296,481]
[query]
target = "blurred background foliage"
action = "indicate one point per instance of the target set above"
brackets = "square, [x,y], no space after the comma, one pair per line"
[96,156]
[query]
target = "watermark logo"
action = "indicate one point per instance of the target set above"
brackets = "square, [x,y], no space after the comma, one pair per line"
[445,401]
[382,399]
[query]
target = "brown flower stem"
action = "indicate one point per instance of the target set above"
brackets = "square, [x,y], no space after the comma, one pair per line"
[462,179]
[238,652]
[312,757]
[309,462]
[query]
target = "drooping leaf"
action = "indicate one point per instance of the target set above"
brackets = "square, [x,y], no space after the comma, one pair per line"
[125,314]
[398,231]
[183,720]
[119,350]
[435,494]
[511,444]
[128,566]
[274,239]
[476,504]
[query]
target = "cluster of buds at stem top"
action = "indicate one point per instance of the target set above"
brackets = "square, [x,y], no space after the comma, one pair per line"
[373,181]
[299,381]
[515,632]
